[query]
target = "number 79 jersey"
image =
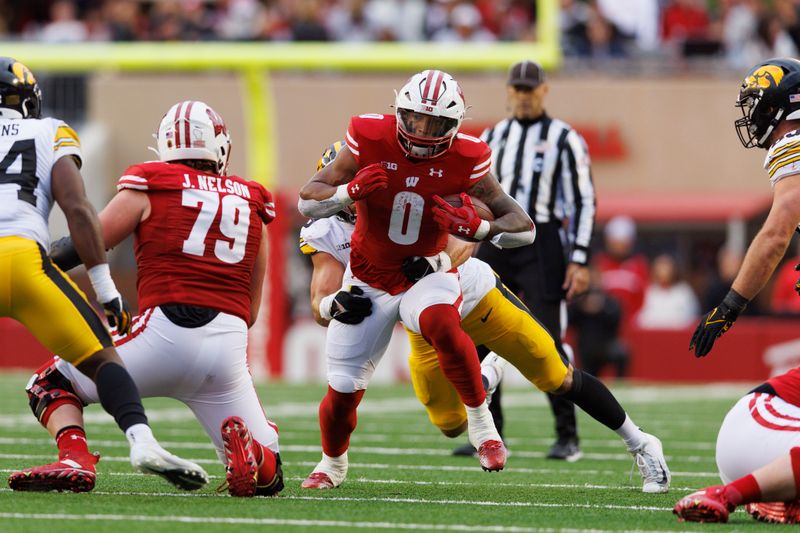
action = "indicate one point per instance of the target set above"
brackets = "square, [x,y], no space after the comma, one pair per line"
[199,244]
[28,150]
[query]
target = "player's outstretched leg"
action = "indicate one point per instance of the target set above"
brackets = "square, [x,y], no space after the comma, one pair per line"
[251,468]
[337,421]
[591,395]
[440,325]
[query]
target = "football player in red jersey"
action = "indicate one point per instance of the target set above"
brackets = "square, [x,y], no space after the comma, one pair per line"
[759,441]
[396,170]
[200,246]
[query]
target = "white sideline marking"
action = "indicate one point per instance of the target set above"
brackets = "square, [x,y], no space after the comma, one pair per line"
[369,450]
[302,523]
[380,466]
[423,501]
[385,406]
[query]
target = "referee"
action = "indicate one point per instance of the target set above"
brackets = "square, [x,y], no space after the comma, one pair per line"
[544,165]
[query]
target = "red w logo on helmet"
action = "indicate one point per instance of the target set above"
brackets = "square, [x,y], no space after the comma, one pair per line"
[216,120]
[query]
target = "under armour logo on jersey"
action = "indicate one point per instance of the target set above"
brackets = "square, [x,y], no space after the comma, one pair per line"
[463,229]
[412,181]
[354,188]
[434,172]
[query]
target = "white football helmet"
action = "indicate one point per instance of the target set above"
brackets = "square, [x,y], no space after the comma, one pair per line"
[429,108]
[192,130]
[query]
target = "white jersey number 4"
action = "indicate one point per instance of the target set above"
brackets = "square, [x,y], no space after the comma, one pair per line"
[234,223]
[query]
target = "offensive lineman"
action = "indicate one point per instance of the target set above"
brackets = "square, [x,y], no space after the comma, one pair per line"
[201,254]
[40,163]
[396,169]
[492,316]
[766,418]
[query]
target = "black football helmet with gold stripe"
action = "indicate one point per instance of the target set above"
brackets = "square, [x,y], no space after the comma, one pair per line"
[769,94]
[347,214]
[20,96]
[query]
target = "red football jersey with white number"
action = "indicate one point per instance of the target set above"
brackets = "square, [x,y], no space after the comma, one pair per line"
[788,386]
[200,242]
[397,222]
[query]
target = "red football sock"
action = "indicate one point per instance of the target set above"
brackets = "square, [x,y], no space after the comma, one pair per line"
[71,439]
[337,420]
[440,325]
[794,454]
[265,458]
[743,490]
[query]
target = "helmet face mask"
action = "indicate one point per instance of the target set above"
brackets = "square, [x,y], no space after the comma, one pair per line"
[429,109]
[20,96]
[193,130]
[769,94]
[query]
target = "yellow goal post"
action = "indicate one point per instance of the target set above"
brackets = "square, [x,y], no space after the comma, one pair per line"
[253,61]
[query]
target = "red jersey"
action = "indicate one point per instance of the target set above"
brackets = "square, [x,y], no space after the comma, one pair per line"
[200,242]
[788,386]
[626,280]
[397,222]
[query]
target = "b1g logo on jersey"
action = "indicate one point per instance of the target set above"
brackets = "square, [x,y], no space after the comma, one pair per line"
[388,165]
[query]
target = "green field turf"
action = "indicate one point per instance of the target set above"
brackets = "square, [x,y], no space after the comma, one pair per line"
[401,477]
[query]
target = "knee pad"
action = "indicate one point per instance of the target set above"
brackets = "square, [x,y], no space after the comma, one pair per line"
[346,384]
[49,389]
[794,455]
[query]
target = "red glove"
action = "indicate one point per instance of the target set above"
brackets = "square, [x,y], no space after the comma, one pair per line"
[368,180]
[460,221]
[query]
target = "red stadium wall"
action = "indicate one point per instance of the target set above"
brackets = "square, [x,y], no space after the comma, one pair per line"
[754,349]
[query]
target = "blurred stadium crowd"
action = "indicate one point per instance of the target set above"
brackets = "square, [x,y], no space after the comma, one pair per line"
[741,31]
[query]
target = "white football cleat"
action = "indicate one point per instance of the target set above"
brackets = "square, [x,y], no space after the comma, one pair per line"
[150,458]
[649,457]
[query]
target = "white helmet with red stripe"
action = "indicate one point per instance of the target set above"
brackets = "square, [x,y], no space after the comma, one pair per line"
[429,108]
[192,130]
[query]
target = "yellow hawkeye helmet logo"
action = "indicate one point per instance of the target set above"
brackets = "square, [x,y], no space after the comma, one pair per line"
[23,73]
[764,77]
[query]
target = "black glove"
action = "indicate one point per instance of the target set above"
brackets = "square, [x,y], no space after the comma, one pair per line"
[797,283]
[351,307]
[64,255]
[415,268]
[716,322]
[118,315]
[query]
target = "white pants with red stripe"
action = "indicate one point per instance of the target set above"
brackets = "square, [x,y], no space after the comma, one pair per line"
[757,430]
[353,351]
[205,368]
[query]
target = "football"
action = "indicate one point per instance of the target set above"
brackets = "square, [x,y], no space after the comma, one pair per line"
[482,209]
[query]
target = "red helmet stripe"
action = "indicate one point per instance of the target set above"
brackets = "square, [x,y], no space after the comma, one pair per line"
[437,84]
[176,123]
[187,139]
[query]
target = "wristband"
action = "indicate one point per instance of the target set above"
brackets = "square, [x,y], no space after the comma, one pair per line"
[735,302]
[343,195]
[483,230]
[325,306]
[103,285]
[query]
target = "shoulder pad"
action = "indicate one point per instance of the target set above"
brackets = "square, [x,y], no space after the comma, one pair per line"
[783,157]
[372,126]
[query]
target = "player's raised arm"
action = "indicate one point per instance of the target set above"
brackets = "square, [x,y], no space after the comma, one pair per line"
[338,185]
[510,217]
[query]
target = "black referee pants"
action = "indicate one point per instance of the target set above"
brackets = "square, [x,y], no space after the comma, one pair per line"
[535,273]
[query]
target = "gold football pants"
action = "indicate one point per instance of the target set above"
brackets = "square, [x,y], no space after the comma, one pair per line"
[503,324]
[40,296]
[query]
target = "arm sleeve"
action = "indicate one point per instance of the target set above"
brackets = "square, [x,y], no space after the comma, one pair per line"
[576,179]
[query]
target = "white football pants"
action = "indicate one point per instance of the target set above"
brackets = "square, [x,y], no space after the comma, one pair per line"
[353,351]
[205,368]
[757,430]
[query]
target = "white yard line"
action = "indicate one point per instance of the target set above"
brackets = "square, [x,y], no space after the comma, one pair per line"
[302,523]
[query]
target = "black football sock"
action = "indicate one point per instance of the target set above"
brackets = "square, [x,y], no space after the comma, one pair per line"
[119,396]
[591,395]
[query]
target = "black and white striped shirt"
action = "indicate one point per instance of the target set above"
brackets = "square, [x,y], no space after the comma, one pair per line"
[544,165]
